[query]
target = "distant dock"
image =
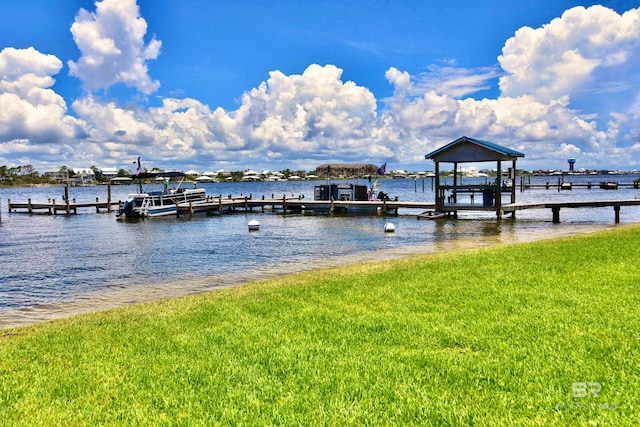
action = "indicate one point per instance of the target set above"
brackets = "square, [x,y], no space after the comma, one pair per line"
[561,184]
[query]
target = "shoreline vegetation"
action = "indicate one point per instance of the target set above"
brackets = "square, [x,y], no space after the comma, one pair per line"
[27,176]
[538,333]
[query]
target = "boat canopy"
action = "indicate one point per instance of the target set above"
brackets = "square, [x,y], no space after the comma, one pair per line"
[172,174]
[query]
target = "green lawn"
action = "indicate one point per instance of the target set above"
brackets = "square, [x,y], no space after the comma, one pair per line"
[543,333]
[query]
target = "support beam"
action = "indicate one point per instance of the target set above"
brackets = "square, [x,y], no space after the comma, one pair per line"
[498,191]
[439,202]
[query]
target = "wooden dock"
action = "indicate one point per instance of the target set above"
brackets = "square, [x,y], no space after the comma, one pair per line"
[556,206]
[221,205]
[66,208]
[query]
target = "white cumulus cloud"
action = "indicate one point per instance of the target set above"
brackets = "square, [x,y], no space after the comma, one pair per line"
[29,109]
[583,50]
[113,48]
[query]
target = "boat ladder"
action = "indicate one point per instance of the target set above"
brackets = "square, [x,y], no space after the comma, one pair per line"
[144,208]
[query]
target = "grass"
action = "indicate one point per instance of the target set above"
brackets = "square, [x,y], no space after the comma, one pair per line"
[489,337]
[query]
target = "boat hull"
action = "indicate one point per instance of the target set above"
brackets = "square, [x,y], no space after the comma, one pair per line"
[149,205]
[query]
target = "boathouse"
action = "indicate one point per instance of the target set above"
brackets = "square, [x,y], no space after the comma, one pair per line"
[457,197]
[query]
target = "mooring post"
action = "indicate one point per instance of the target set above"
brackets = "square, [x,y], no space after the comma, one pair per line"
[616,209]
[284,203]
[66,199]
[97,208]
[109,196]
[220,205]
[190,208]
[556,215]
[29,208]
[55,211]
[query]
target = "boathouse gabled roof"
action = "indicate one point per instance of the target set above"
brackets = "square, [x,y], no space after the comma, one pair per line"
[467,149]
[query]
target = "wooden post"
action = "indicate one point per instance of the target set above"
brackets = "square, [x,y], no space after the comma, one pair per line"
[556,215]
[29,209]
[190,208]
[616,209]
[513,187]
[455,182]
[177,209]
[55,211]
[66,199]
[109,196]
[97,208]
[513,182]
[284,203]
[498,191]
[436,180]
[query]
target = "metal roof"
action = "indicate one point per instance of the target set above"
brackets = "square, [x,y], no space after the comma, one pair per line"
[467,149]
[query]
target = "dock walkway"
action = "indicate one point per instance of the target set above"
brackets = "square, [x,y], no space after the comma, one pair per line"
[556,206]
[52,208]
[220,205]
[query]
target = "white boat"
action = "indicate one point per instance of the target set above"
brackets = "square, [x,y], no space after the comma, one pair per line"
[160,203]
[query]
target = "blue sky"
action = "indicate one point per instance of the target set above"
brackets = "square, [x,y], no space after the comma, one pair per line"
[206,85]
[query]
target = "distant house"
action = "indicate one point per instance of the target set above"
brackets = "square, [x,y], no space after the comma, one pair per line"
[82,176]
[109,173]
[57,175]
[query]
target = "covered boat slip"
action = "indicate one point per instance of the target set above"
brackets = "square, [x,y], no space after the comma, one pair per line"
[458,197]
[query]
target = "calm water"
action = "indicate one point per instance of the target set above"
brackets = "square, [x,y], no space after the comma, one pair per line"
[52,266]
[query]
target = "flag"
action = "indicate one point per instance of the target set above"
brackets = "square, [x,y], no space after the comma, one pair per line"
[382,169]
